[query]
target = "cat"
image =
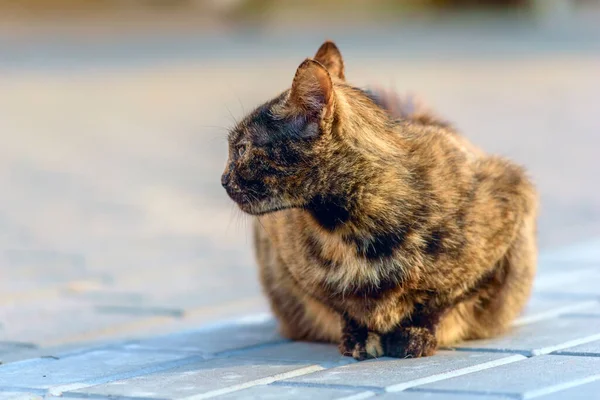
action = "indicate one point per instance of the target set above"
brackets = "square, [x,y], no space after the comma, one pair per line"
[378,226]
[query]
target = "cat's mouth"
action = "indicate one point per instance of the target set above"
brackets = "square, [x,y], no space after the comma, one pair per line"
[260,208]
[252,202]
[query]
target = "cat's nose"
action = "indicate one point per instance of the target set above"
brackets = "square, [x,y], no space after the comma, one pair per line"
[225,179]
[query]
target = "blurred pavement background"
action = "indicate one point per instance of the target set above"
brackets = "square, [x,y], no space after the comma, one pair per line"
[113,123]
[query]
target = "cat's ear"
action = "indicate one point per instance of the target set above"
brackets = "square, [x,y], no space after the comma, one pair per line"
[312,90]
[329,55]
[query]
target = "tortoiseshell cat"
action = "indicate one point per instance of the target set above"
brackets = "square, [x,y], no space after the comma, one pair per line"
[379,228]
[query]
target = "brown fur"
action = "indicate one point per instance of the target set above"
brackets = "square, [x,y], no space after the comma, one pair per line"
[378,226]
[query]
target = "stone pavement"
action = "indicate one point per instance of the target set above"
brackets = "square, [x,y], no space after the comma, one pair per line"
[114,229]
[113,223]
[553,352]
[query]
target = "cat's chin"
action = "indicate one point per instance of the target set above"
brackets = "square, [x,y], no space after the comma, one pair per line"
[257,211]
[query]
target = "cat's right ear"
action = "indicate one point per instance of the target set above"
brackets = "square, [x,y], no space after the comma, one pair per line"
[312,90]
[330,56]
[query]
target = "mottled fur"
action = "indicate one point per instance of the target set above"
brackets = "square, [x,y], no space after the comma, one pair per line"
[378,227]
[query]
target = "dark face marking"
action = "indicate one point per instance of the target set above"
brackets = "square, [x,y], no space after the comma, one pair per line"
[268,153]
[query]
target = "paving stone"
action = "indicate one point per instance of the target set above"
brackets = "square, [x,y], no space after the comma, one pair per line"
[586,312]
[542,337]
[317,353]
[10,395]
[527,378]
[12,347]
[237,335]
[565,280]
[585,252]
[402,373]
[62,320]
[212,376]
[541,307]
[583,391]
[410,395]
[44,373]
[588,349]
[276,392]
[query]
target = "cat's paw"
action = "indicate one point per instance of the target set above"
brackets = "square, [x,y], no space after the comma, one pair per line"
[411,342]
[360,347]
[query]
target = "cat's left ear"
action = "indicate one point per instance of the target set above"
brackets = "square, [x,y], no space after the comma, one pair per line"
[330,56]
[312,90]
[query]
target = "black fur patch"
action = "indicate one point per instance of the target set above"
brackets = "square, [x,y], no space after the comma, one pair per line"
[352,334]
[329,211]
[380,245]
[386,283]
[434,243]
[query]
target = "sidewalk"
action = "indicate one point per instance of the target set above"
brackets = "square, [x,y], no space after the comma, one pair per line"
[553,353]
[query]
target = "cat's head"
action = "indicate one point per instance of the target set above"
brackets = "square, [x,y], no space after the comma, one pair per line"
[279,154]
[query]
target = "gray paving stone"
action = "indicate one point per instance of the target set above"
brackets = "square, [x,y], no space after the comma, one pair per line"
[317,353]
[586,312]
[410,395]
[218,339]
[62,320]
[568,280]
[588,349]
[45,373]
[524,379]
[403,373]
[212,377]
[541,337]
[11,347]
[542,307]
[276,392]
[583,391]
[585,252]
[9,395]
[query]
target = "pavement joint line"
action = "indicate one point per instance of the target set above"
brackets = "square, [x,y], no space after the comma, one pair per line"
[452,374]
[242,350]
[47,292]
[467,393]
[20,345]
[542,316]
[565,345]
[359,396]
[342,386]
[528,353]
[84,347]
[139,324]
[18,389]
[93,396]
[256,382]
[561,386]
[524,353]
[127,327]
[60,389]
[574,354]
[177,313]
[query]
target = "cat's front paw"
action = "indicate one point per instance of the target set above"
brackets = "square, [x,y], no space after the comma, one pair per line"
[411,342]
[361,347]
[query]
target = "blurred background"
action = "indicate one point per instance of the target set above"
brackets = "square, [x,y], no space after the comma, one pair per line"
[113,123]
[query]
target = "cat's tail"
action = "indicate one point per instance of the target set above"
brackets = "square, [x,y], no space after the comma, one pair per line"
[408,107]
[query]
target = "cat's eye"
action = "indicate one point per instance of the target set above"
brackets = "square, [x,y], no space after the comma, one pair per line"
[241,149]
